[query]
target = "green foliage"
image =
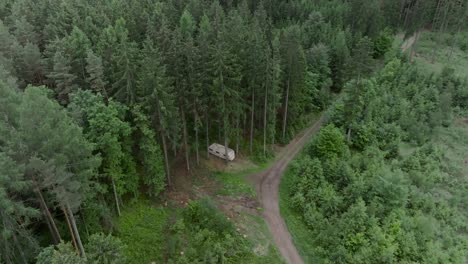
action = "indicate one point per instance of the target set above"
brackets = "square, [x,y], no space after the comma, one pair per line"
[329,143]
[143,229]
[369,204]
[210,237]
[63,253]
[105,126]
[104,249]
[150,154]
[100,249]
[383,43]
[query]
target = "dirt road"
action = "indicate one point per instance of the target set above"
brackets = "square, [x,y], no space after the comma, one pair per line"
[267,186]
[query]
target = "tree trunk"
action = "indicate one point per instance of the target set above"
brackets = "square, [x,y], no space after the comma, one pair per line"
[265,120]
[48,216]
[163,139]
[225,144]
[219,131]
[18,246]
[207,137]
[166,159]
[237,132]
[70,228]
[460,24]
[75,230]
[413,48]
[116,197]
[196,136]
[184,127]
[434,23]
[174,148]
[285,114]
[224,120]
[252,121]
[348,136]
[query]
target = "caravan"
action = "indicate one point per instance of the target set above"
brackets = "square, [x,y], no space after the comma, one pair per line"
[219,151]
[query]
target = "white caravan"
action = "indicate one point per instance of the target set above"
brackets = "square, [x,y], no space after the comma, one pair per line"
[219,151]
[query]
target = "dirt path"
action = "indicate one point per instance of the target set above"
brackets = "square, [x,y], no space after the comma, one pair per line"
[408,43]
[267,186]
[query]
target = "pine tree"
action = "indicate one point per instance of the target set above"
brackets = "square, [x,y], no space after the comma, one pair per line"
[18,244]
[24,32]
[224,69]
[125,65]
[77,46]
[47,143]
[339,61]
[204,42]
[294,73]
[158,95]
[95,71]
[361,63]
[31,65]
[62,77]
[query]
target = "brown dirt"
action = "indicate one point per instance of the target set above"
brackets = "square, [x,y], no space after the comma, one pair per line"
[267,186]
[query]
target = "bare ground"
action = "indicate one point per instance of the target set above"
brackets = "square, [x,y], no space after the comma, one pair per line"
[267,187]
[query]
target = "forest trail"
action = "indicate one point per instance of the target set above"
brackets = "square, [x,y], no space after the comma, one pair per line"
[408,43]
[267,186]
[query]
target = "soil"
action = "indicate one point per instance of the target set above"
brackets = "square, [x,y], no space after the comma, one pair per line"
[267,187]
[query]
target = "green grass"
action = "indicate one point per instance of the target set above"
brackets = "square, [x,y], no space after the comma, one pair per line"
[442,45]
[142,228]
[234,184]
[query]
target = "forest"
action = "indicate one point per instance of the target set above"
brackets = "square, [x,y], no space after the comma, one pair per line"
[99,100]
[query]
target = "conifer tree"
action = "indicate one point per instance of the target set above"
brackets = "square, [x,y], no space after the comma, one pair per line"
[294,73]
[95,71]
[63,77]
[158,95]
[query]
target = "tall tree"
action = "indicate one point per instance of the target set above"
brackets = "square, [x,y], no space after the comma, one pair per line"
[158,97]
[293,66]
[63,77]
[104,125]
[95,71]
[17,244]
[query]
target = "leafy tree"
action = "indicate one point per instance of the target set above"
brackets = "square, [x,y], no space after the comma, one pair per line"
[329,143]
[150,154]
[105,249]
[104,126]
[64,253]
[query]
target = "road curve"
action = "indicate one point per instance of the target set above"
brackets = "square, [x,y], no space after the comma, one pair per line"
[267,186]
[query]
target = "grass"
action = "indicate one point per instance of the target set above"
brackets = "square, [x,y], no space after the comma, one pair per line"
[142,228]
[234,184]
[442,45]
